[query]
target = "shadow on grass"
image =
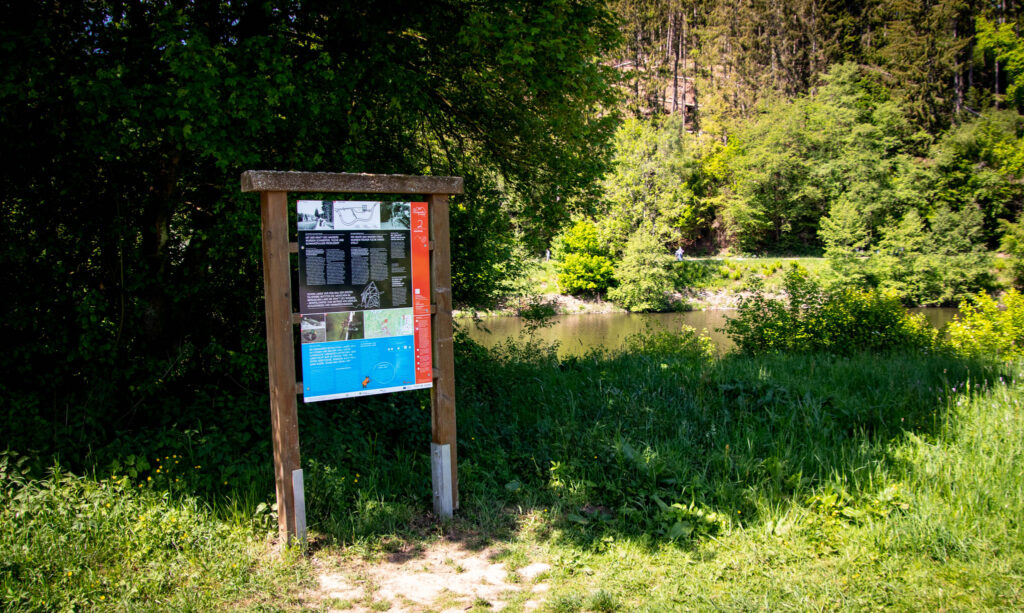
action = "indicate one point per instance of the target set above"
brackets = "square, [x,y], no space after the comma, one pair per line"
[657,448]
[673,449]
[661,448]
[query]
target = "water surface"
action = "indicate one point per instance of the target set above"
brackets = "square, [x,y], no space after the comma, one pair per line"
[576,334]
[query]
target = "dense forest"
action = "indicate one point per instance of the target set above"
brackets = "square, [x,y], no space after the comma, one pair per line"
[883,134]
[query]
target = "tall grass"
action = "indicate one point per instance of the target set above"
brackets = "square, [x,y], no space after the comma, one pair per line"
[736,433]
[811,482]
[934,523]
[965,482]
[72,543]
[660,440]
[658,477]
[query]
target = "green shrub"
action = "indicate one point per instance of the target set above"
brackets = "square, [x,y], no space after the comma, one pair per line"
[687,343]
[585,273]
[940,264]
[583,263]
[986,329]
[644,275]
[1013,243]
[841,321]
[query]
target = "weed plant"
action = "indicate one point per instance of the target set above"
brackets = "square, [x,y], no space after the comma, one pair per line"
[988,328]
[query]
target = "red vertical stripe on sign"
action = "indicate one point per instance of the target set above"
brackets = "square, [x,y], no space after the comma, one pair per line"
[421,290]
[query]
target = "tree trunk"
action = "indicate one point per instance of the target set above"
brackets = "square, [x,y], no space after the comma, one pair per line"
[675,70]
[156,235]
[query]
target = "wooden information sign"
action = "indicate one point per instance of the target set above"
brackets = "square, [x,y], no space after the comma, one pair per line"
[273,187]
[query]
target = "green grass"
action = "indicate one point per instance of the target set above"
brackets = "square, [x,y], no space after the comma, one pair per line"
[738,274]
[74,543]
[660,481]
[932,524]
[886,482]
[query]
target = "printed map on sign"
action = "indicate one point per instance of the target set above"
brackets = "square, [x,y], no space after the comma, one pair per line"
[364,286]
[356,215]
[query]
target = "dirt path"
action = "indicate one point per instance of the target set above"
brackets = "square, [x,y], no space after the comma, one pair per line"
[442,577]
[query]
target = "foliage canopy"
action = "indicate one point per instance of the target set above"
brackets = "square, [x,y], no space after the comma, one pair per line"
[127,125]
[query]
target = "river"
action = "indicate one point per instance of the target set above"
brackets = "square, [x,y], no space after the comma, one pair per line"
[576,334]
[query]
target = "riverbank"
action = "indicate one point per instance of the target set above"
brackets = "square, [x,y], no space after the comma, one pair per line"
[701,283]
[704,283]
[560,304]
[576,335]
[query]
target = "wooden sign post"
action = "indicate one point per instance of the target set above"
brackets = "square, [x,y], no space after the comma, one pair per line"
[273,187]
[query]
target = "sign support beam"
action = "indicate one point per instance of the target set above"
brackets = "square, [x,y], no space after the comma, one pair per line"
[442,394]
[284,418]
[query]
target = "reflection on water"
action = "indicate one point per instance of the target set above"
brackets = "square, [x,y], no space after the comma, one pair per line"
[576,334]
[937,316]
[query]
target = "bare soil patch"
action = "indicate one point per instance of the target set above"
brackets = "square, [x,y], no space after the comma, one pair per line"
[444,576]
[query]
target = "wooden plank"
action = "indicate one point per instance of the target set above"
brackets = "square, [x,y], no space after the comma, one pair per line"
[284,419]
[344,182]
[442,394]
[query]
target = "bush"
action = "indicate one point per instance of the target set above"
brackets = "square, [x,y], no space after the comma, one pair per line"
[940,264]
[644,276]
[583,264]
[985,329]
[1012,243]
[686,344]
[842,321]
[585,273]
[931,279]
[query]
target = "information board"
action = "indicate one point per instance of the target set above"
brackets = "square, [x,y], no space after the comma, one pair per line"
[364,298]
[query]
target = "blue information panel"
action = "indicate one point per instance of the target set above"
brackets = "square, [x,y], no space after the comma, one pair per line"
[360,367]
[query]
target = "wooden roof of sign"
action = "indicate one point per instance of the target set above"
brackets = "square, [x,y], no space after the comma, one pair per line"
[346,182]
